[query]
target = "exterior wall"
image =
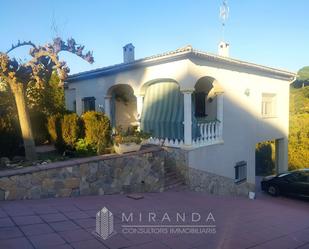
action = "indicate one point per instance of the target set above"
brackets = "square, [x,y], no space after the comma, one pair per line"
[70,97]
[125,113]
[141,171]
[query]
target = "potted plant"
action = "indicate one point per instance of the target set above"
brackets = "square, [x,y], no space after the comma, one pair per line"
[128,140]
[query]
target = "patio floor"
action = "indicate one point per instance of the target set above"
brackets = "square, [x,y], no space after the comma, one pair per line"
[240,223]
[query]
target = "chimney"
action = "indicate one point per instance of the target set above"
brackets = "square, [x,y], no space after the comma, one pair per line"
[128,53]
[224,49]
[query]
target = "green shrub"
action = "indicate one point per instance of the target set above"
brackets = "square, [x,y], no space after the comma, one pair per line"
[55,131]
[265,158]
[83,148]
[10,137]
[39,128]
[71,128]
[130,135]
[97,130]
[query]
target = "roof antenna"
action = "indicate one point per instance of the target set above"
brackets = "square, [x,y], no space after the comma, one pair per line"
[224,15]
[223,47]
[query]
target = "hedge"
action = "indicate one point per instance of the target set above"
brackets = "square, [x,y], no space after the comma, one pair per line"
[97,130]
[85,135]
[11,143]
[71,127]
[54,127]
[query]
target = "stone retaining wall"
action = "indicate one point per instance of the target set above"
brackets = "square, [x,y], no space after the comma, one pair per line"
[203,181]
[141,171]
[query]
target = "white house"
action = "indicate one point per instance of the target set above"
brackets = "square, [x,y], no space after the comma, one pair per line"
[213,108]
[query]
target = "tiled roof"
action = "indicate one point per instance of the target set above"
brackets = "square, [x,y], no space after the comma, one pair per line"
[172,54]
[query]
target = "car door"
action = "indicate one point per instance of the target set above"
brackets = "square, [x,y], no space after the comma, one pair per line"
[304,183]
[297,184]
[288,183]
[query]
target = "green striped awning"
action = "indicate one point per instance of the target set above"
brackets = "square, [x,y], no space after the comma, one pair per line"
[162,113]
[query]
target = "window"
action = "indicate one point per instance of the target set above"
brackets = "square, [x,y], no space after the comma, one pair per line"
[241,172]
[268,105]
[89,104]
[299,177]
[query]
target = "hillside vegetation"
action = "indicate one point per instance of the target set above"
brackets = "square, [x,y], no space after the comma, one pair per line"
[299,128]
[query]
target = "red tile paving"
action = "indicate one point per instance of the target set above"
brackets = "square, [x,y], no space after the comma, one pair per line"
[36,229]
[26,220]
[64,226]
[44,240]
[64,223]
[9,233]
[53,217]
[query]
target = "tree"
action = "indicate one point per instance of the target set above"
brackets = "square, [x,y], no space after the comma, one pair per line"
[302,78]
[37,70]
[48,100]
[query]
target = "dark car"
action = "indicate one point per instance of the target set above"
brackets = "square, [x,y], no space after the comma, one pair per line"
[290,183]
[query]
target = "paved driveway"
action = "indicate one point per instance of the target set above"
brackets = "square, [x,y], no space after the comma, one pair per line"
[239,223]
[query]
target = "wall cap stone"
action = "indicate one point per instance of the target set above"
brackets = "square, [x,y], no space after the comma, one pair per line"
[75,162]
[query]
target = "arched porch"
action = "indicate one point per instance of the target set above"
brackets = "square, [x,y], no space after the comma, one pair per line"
[207,104]
[120,106]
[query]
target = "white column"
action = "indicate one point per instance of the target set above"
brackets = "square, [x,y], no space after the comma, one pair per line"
[187,108]
[107,106]
[139,108]
[220,113]
[281,155]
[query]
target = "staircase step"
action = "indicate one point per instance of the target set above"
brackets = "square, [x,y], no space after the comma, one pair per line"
[173,182]
[170,174]
[175,186]
[181,187]
[169,169]
[172,179]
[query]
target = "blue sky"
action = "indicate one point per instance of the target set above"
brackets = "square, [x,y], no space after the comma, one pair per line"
[273,33]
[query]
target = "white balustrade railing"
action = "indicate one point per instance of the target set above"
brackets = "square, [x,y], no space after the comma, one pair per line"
[166,142]
[210,133]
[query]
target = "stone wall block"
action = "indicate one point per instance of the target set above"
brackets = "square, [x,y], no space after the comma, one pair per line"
[71,183]
[66,192]
[47,184]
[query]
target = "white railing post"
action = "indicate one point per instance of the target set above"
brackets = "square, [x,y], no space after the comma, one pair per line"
[217,129]
[208,132]
[220,114]
[212,131]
